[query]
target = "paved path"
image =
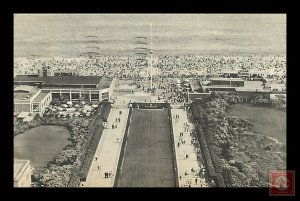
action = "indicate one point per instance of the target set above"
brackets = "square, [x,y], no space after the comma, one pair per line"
[108,151]
[188,165]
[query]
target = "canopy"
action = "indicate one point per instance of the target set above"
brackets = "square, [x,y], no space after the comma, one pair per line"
[77,106]
[94,106]
[69,103]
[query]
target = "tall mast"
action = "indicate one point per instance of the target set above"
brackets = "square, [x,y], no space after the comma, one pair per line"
[151,54]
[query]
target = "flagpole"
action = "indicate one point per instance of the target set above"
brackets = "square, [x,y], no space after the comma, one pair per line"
[151,56]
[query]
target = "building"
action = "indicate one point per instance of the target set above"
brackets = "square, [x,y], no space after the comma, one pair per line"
[228,74]
[73,88]
[67,72]
[45,72]
[228,82]
[246,95]
[22,173]
[244,73]
[31,99]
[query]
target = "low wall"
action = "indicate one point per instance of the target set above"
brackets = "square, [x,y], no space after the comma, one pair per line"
[150,105]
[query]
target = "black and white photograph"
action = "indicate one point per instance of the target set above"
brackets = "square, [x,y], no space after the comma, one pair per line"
[150,100]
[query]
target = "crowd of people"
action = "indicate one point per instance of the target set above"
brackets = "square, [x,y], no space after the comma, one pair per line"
[168,66]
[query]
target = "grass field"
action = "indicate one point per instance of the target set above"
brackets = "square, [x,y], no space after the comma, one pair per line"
[148,156]
[40,144]
[267,121]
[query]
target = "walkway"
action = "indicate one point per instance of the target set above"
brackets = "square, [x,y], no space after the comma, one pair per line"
[108,151]
[188,165]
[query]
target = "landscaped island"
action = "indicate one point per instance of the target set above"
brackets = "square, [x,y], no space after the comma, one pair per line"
[242,156]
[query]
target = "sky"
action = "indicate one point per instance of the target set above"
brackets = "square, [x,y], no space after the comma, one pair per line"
[68,35]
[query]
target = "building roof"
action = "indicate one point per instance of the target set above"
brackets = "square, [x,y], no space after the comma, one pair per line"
[41,96]
[66,71]
[25,96]
[105,83]
[20,167]
[226,79]
[23,88]
[62,80]
[23,115]
[242,89]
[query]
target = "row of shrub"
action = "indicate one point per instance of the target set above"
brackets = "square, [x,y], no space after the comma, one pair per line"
[205,150]
[96,129]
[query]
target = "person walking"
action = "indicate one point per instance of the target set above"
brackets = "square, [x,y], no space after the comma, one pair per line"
[196,180]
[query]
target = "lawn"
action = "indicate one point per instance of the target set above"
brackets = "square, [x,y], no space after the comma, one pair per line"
[148,159]
[267,121]
[40,144]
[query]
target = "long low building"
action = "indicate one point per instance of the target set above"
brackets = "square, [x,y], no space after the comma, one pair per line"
[73,88]
[234,82]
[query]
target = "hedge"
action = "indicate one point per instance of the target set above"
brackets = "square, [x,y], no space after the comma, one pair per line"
[80,171]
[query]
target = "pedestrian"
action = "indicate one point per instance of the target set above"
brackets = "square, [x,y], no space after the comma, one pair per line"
[196,180]
[95,158]
[113,126]
[98,167]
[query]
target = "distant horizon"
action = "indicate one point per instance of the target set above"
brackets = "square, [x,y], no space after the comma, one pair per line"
[59,35]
